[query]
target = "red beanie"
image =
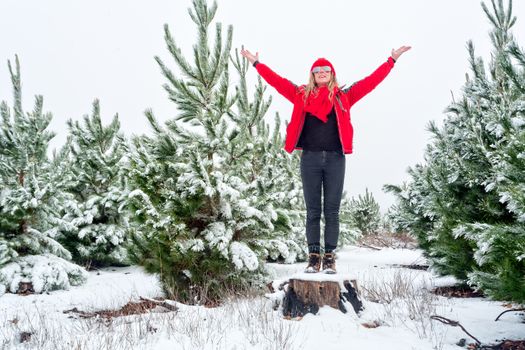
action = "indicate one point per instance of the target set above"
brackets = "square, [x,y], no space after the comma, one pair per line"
[323,62]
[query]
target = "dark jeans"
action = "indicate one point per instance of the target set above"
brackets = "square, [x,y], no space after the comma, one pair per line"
[322,170]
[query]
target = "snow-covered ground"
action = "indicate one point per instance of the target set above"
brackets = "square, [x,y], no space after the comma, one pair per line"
[398,300]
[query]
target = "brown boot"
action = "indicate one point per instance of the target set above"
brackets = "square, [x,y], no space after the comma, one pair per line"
[314,263]
[329,263]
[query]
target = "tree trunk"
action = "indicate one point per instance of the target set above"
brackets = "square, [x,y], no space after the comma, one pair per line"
[303,296]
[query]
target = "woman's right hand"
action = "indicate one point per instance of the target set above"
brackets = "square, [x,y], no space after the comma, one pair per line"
[249,56]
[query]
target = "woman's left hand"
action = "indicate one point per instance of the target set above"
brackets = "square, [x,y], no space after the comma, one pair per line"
[397,53]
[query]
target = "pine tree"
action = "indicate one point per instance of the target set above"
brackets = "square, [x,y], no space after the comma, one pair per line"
[348,230]
[467,203]
[98,232]
[413,212]
[272,174]
[500,99]
[212,194]
[31,201]
[365,213]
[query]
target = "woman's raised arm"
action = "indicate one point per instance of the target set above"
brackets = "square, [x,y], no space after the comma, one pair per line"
[397,53]
[364,86]
[283,86]
[249,56]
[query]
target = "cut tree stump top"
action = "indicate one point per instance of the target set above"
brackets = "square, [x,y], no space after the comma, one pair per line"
[324,277]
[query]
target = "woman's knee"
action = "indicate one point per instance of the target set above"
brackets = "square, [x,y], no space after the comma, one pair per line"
[313,214]
[331,215]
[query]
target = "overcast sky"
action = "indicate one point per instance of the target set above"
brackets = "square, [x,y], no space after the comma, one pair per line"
[72,52]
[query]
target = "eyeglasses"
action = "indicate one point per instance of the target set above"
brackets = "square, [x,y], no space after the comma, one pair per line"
[324,68]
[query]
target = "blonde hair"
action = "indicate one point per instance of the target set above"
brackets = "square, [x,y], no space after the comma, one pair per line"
[311,87]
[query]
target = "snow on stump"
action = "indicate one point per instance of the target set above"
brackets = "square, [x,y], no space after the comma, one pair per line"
[306,293]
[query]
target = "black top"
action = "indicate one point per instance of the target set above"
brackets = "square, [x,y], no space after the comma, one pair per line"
[319,136]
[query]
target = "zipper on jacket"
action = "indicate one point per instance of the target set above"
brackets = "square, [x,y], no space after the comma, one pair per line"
[300,130]
[337,119]
[340,103]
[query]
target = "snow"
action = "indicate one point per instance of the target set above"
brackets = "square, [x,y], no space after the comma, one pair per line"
[106,288]
[252,323]
[517,122]
[319,277]
[45,272]
[242,256]
[218,236]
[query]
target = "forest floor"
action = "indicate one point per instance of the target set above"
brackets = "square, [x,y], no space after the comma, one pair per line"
[124,308]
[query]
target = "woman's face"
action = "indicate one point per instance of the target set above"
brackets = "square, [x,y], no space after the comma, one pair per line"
[322,75]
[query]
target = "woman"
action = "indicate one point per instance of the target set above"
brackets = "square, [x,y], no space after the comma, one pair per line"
[320,126]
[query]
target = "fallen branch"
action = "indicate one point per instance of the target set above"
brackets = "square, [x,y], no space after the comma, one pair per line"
[80,313]
[161,303]
[412,266]
[505,345]
[497,318]
[369,246]
[456,292]
[131,308]
[454,324]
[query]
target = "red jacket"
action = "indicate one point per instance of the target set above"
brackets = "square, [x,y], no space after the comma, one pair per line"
[345,99]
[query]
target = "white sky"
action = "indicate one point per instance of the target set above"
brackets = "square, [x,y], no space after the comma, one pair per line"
[72,52]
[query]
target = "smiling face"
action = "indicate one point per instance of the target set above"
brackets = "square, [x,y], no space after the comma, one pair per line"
[322,75]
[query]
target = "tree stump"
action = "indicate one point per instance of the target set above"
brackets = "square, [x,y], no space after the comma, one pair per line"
[304,296]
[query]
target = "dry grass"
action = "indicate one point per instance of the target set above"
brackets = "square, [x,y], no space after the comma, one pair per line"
[406,301]
[388,240]
[190,327]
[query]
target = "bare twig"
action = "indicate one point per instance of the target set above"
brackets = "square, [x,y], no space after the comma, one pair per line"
[497,318]
[383,241]
[80,313]
[454,324]
[282,285]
